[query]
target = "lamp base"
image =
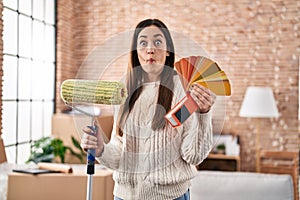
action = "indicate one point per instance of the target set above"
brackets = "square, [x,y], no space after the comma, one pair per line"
[257,145]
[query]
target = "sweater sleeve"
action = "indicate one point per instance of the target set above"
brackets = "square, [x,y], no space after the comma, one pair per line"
[111,154]
[197,138]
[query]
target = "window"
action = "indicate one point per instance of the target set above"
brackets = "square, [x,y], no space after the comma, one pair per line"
[29,74]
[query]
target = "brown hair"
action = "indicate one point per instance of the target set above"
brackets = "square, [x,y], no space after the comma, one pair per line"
[135,79]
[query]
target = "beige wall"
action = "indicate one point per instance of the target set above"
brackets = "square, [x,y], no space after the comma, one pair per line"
[255,42]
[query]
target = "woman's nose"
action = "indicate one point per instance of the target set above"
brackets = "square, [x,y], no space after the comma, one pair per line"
[150,50]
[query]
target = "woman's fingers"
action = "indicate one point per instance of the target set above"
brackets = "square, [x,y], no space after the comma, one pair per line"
[88,130]
[89,141]
[203,97]
[204,92]
[92,139]
[89,135]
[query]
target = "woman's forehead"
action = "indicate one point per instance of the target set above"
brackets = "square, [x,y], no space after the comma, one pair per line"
[151,31]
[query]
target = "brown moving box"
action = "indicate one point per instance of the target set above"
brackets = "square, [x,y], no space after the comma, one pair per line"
[65,125]
[60,186]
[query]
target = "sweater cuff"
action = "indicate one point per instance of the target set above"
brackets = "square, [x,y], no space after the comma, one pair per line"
[205,118]
[102,154]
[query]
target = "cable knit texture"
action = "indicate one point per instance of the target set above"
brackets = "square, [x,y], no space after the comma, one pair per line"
[156,165]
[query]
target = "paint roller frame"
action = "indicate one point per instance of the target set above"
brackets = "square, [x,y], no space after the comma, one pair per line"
[90,152]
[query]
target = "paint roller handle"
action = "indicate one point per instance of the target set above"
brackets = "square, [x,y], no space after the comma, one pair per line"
[91,154]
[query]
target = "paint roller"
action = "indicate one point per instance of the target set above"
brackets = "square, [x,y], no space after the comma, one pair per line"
[75,92]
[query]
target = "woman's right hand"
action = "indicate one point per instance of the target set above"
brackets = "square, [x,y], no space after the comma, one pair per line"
[91,140]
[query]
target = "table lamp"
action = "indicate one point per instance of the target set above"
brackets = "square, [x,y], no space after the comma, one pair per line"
[258,103]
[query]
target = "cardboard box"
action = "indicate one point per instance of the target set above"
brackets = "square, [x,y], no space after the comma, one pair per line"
[65,125]
[60,186]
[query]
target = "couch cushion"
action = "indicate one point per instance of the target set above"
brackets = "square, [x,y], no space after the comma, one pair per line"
[216,185]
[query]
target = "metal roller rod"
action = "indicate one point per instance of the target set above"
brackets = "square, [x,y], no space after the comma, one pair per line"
[89,193]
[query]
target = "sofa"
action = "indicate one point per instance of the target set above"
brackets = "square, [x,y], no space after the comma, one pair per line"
[221,185]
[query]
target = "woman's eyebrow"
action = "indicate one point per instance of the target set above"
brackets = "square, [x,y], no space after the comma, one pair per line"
[157,35]
[143,36]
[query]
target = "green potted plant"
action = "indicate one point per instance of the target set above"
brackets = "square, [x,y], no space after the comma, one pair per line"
[48,148]
[221,148]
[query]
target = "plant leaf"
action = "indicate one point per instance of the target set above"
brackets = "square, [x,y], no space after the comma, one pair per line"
[78,155]
[77,145]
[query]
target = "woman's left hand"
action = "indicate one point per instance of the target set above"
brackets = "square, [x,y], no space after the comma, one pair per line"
[203,97]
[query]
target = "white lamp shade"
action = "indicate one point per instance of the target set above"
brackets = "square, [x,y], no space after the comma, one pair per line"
[259,102]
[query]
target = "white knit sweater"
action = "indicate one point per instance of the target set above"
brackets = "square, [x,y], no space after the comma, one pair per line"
[156,165]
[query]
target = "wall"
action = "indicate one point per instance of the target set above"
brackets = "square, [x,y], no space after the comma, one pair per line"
[2,150]
[1,59]
[255,42]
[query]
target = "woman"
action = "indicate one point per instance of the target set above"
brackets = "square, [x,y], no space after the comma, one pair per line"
[151,159]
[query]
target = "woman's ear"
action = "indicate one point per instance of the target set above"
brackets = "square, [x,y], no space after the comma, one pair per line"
[168,53]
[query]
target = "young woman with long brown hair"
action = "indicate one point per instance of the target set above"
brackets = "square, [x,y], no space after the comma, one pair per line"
[152,160]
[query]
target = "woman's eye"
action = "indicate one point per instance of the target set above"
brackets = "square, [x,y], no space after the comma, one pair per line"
[143,43]
[157,42]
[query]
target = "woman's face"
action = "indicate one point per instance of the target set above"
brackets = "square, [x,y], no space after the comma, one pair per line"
[152,51]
